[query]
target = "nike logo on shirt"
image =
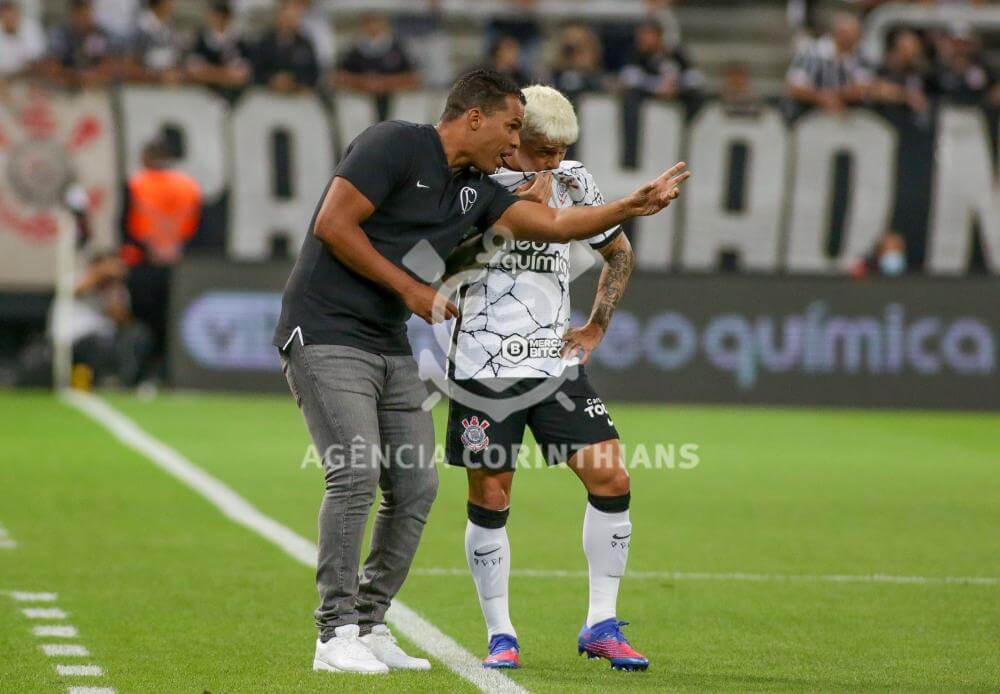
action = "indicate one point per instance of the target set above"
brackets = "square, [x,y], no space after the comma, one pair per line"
[622,537]
[421,185]
[483,554]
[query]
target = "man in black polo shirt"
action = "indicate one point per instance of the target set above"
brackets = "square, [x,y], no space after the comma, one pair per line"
[403,192]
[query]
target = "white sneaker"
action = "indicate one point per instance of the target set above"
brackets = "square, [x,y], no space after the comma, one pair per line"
[384,647]
[345,653]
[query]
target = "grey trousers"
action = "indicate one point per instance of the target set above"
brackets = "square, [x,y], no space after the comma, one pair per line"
[364,415]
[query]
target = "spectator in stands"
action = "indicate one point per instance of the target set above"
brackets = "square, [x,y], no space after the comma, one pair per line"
[22,42]
[662,12]
[618,36]
[518,19]
[376,63]
[220,57]
[902,78]
[80,52]
[737,95]
[421,28]
[961,75]
[318,28]
[887,258]
[164,209]
[658,69]
[118,18]
[285,59]
[577,67]
[505,58]
[829,71]
[802,19]
[158,45]
[100,324]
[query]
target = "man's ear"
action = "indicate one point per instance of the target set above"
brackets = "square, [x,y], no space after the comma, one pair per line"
[474,117]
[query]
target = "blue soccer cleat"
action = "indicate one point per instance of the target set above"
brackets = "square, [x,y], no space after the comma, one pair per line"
[606,640]
[504,653]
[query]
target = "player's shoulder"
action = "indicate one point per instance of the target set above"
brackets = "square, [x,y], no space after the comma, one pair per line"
[509,178]
[571,168]
[396,132]
[583,188]
[399,126]
[571,165]
[503,173]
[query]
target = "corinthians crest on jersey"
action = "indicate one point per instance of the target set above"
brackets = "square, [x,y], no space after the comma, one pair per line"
[513,317]
[474,434]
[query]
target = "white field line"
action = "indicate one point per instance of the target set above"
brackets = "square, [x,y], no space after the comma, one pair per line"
[240,511]
[80,670]
[6,541]
[734,576]
[90,690]
[63,631]
[24,596]
[43,613]
[54,650]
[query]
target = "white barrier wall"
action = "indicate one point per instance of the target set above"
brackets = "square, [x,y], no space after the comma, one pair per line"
[782,222]
[46,142]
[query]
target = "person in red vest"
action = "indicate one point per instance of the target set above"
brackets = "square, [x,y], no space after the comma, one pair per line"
[164,209]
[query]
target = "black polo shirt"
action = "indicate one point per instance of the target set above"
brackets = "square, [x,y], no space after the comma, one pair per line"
[401,168]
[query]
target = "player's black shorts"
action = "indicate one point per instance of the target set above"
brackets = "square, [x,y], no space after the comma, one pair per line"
[564,417]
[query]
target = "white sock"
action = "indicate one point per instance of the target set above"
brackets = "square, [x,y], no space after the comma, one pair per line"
[606,539]
[488,553]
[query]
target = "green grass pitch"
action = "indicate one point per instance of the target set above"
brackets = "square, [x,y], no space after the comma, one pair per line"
[170,596]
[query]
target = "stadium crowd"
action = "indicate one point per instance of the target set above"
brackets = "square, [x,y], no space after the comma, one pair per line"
[832,72]
[100,41]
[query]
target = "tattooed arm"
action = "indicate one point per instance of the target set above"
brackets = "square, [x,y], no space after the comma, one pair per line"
[619,259]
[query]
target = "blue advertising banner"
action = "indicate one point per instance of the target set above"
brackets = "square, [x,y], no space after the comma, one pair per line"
[908,342]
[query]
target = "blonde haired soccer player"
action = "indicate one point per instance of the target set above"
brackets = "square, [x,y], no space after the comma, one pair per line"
[513,339]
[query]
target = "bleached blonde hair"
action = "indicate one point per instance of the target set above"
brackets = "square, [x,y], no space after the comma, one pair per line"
[549,116]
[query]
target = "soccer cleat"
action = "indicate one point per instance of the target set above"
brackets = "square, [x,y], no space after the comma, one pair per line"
[606,640]
[383,646]
[345,653]
[504,653]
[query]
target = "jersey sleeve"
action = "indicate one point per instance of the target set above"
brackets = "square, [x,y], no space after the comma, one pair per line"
[802,71]
[377,161]
[502,199]
[583,190]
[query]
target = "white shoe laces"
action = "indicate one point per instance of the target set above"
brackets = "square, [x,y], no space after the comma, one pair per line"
[352,647]
[388,642]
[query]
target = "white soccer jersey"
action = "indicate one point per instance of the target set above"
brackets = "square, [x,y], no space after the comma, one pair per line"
[513,318]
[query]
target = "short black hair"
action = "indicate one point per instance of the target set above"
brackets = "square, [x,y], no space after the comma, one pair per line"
[485,88]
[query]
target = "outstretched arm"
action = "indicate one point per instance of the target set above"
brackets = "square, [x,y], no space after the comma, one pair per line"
[619,259]
[533,221]
[472,252]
